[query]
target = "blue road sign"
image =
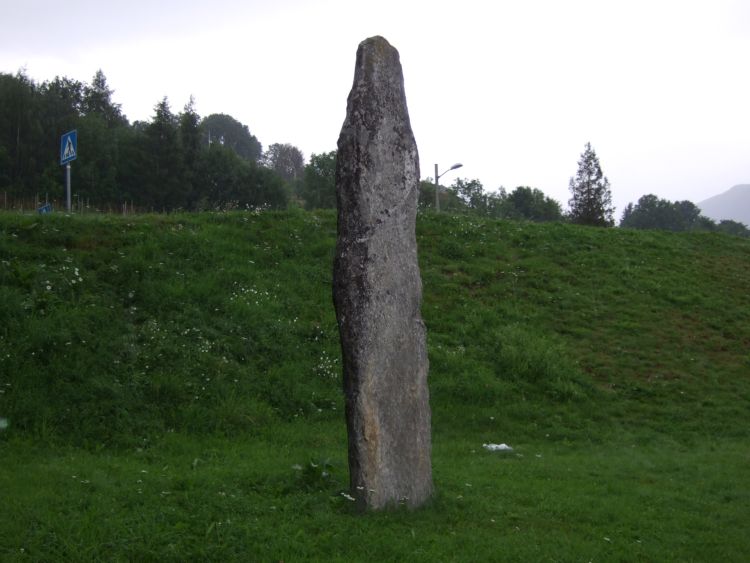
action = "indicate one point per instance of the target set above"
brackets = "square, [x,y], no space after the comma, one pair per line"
[69,147]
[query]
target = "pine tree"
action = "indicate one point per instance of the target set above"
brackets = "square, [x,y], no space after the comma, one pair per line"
[98,100]
[190,143]
[591,203]
[162,178]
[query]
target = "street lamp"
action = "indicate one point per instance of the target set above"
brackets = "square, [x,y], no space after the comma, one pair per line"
[437,186]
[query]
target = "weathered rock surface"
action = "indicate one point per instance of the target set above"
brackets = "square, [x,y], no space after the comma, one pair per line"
[377,288]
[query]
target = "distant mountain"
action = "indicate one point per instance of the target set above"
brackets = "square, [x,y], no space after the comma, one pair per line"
[733,204]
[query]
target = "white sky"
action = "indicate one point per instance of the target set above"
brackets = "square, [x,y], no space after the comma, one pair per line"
[512,89]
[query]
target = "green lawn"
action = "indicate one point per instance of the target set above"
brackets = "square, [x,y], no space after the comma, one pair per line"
[171,386]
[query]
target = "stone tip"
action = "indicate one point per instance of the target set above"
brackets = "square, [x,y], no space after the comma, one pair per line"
[378,47]
[376,41]
[376,57]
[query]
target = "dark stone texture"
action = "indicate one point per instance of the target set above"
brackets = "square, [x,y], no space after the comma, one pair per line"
[377,288]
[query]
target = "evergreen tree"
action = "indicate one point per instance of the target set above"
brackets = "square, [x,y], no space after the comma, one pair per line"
[19,133]
[163,177]
[189,131]
[591,203]
[98,100]
[135,162]
[99,130]
[190,142]
[97,163]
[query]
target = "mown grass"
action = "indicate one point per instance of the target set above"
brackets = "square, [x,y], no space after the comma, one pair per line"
[171,388]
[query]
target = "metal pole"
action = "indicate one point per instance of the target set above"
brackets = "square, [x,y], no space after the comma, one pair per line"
[437,199]
[67,183]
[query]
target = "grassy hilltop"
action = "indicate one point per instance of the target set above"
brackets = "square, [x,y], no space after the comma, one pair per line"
[170,387]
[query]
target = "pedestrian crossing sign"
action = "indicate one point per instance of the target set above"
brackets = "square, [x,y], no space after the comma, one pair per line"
[69,147]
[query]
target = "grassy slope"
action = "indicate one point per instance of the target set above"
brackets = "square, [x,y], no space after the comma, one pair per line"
[157,405]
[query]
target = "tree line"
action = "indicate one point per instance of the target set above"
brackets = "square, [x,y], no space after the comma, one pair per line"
[174,161]
[180,161]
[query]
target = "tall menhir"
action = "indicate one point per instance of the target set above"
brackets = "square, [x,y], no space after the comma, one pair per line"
[377,289]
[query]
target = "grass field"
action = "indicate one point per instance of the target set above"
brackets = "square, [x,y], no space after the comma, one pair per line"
[170,390]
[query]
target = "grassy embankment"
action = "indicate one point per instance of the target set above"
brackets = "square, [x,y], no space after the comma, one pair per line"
[171,386]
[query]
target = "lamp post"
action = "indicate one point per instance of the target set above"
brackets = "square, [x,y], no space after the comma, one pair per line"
[437,185]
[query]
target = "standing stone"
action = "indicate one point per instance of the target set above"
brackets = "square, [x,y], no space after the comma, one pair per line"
[377,289]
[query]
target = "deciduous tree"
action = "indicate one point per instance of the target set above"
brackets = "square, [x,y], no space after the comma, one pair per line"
[472,194]
[286,160]
[226,130]
[652,212]
[531,204]
[318,188]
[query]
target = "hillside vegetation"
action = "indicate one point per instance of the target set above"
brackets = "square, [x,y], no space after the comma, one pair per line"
[170,389]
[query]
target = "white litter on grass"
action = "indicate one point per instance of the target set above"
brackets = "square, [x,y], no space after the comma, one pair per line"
[497,447]
[3,423]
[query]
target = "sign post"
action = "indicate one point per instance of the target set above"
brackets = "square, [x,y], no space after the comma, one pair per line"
[68,153]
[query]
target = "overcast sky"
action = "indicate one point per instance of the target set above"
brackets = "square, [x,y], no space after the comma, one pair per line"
[511,89]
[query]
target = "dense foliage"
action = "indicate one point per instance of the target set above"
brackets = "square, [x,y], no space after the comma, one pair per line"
[652,212]
[318,190]
[469,196]
[174,161]
[182,161]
